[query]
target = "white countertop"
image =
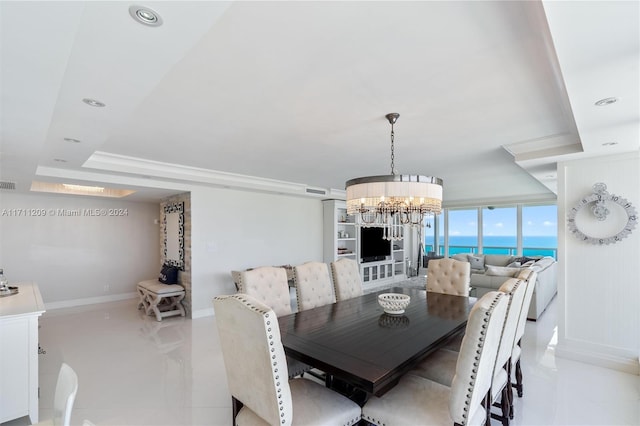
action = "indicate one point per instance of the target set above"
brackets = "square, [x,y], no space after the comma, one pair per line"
[27,302]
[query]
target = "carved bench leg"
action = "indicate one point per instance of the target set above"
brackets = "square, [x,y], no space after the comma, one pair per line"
[171,305]
[141,297]
[145,302]
[177,304]
[155,299]
[161,305]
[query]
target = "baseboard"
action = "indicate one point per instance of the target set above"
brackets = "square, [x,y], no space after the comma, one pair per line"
[89,301]
[621,362]
[200,313]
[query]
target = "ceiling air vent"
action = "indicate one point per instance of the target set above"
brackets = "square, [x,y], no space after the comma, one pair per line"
[7,185]
[316,191]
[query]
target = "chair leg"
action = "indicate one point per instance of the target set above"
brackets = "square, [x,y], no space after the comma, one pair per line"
[504,406]
[519,379]
[487,406]
[328,380]
[235,407]
[510,389]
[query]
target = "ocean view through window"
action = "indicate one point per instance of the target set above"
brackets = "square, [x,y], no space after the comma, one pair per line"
[499,230]
[495,230]
[540,231]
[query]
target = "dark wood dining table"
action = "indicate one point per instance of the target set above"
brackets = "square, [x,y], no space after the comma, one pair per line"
[356,342]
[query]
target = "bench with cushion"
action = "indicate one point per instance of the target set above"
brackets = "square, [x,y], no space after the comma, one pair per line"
[162,300]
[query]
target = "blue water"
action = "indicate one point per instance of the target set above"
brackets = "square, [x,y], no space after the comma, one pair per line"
[532,246]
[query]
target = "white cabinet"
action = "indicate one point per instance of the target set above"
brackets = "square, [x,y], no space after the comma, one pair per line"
[340,232]
[399,260]
[376,272]
[19,353]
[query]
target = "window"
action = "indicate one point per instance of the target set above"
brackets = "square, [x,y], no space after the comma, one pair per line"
[500,230]
[540,230]
[515,230]
[463,231]
[433,238]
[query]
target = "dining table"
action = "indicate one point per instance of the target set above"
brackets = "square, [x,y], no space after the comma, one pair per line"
[358,345]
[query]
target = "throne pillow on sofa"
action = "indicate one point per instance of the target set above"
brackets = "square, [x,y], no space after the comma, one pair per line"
[502,271]
[168,275]
[477,262]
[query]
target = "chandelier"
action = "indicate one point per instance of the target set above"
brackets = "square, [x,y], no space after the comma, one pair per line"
[392,201]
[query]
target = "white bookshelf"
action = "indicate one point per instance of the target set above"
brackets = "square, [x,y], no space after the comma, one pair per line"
[399,261]
[340,232]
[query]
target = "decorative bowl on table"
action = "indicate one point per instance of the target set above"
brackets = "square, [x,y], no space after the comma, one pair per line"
[394,303]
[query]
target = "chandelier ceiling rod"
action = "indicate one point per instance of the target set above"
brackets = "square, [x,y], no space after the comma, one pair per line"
[392,117]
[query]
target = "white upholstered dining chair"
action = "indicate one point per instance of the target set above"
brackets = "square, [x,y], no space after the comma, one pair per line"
[63,398]
[346,279]
[270,286]
[416,400]
[256,369]
[449,276]
[313,285]
[530,277]
[440,365]
[501,391]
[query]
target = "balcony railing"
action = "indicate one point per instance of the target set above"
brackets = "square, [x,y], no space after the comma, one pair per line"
[526,251]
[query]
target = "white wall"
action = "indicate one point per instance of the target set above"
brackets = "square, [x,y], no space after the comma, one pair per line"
[235,230]
[73,258]
[599,286]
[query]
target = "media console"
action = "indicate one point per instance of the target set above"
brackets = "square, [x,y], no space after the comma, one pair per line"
[342,238]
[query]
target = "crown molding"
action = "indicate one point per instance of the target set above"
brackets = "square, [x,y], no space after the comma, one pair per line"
[160,170]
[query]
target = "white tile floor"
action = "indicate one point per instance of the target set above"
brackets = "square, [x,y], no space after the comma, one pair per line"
[136,371]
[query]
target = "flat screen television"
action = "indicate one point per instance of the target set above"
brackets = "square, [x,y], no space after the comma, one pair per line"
[372,246]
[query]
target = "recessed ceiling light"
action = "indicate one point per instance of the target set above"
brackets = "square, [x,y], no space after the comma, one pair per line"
[609,143]
[606,101]
[64,188]
[93,102]
[145,16]
[72,140]
[59,160]
[73,187]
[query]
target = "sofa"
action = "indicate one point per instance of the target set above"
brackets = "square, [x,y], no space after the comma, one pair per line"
[490,271]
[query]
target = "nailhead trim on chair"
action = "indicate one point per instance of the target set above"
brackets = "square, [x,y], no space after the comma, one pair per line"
[275,368]
[504,391]
[479,351]
[346,279]
[266,313]
[241,284]
[316,273]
